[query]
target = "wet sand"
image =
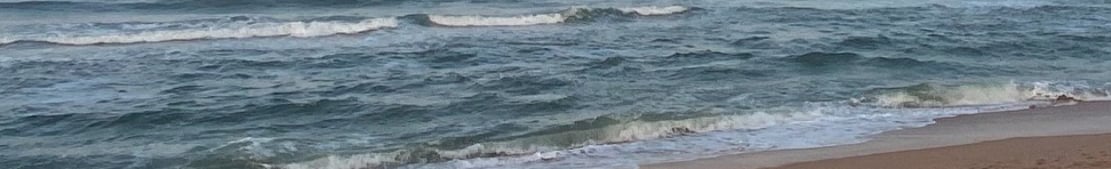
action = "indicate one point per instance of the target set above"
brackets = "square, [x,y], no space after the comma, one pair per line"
[1073,152]
[1050,137]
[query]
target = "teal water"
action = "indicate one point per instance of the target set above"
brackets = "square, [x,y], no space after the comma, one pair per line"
[513,84]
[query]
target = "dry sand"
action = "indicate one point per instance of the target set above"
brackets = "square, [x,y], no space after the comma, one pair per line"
[980,141]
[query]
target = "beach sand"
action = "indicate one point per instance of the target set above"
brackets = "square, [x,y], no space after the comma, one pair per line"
[1050,137]
[1073,152]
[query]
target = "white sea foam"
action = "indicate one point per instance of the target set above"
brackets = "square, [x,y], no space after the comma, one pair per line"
[293,29]
[987,94]
[957,96]
[6,40]
[498,21]
[654,10]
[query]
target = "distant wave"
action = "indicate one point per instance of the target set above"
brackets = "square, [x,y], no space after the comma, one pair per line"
[160,32]
[654,10]
[247,27]
[497,21]
[549,18]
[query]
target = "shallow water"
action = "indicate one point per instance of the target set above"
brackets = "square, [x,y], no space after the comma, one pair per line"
[509,84]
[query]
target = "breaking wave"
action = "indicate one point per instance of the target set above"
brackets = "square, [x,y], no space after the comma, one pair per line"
[654,10]
[497,21]
[230,28]
[251,27]
[541,144]
[936,95]
[551,18]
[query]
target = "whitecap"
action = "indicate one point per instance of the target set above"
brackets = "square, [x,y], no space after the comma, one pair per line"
[265,29]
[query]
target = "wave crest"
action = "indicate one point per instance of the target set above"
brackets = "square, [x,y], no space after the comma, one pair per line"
[497,21]
[934,95]
[248,27]
[655,10]
[240,28]
[550,18]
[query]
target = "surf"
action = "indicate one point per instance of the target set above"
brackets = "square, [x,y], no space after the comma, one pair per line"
[125,33]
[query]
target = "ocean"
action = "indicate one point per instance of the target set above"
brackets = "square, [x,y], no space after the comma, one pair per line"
[544,84]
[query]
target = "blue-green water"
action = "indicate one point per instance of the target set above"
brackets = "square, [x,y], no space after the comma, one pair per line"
[512,84]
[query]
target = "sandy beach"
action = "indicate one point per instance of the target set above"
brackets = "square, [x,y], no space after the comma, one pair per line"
[1072,136]
[1075,152]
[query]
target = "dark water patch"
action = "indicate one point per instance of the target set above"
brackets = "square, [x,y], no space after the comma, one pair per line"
[711,55]
[45,161]
[75,68]
[147,120]
[277,129]
[1088,52]
[233,65]
[609,62]
[701,57]
[399,114]
[788,15]
[525,84]
[821,59]
[863,42]
[719,73]
[835,63]
[665,40]
[535,50]
[233,52]
[438,58]
[967,51]
[825,59]
[66,6]
[41,125]
[446,78]
[285,112]
[1087,38]
[755,42]
[12,84]
[357,89]
[195,76]
[186,90]
[538,107]
[342,60]
[28,109]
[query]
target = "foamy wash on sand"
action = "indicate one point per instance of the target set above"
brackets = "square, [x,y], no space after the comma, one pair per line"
[505,84]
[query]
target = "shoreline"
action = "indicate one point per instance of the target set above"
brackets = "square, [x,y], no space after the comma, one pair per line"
[1074,152]
[1086,118]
